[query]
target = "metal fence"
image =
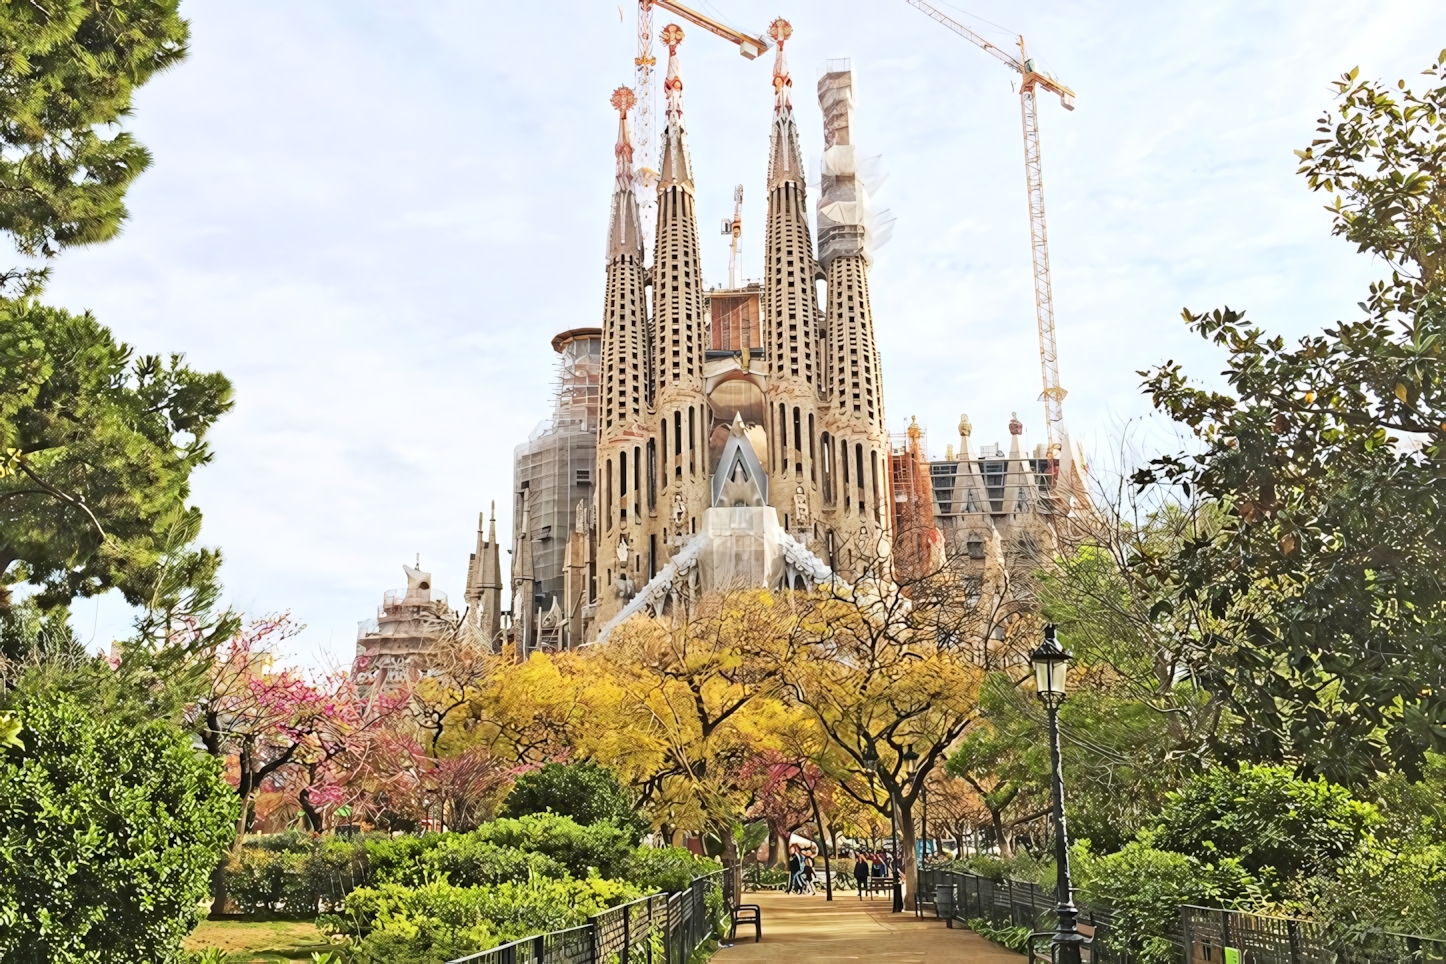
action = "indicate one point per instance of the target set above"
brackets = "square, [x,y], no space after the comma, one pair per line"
[658,929]
[955,896]
[1203,936]
[1214,936]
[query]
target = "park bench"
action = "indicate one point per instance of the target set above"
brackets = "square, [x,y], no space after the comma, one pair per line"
[880,885]
[746,914]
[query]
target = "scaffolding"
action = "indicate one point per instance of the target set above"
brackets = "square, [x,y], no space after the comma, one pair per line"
[916,540]
[553,476]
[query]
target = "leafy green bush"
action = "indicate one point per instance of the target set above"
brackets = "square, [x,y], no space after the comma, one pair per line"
[603,847]
[1023,867]
[263,880]
[1145,886]
[467,861]
[1281,829]
[108,834]
[1385,888]
[295,873]
[584,791]
[438,921]
[671,869]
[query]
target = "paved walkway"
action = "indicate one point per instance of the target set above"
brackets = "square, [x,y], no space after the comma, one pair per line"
[810,930]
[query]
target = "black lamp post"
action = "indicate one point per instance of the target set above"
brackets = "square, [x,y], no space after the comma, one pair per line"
[1049,662]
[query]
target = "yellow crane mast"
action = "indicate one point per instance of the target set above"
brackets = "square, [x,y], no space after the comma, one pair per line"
[1053,395]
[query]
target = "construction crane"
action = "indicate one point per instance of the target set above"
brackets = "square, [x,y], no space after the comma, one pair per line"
[1053,395]
[733,227]
[646,176]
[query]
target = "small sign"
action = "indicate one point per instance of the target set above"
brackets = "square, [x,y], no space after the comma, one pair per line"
[1232,955]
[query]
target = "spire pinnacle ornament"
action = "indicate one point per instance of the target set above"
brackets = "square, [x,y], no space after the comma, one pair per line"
[672,35]
[780,30]
[623,100]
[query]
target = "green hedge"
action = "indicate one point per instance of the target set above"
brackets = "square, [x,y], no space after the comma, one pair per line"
[301,874]
[438,921]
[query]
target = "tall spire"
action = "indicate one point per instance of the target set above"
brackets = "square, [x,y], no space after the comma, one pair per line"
[675,168]
[625,235]
[784,159]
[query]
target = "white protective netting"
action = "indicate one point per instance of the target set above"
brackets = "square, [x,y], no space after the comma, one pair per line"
[847,223]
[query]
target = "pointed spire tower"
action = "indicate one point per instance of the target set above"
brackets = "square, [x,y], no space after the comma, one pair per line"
[790,311]
[676,474]
[484,581]
[855,384]
[622,425]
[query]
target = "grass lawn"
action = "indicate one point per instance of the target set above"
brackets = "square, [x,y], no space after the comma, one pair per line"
[255,941]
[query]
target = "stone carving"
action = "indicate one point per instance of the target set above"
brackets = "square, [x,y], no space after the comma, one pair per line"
[800,509]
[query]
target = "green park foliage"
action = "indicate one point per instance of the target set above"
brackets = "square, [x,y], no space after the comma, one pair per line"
[582,790]
[1322,591]
[441,895]
[108,833]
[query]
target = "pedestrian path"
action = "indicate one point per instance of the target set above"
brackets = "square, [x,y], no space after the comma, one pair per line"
[810,930]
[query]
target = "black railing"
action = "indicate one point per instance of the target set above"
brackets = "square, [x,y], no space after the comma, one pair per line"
[657,929]
[955,896]
[1211,934]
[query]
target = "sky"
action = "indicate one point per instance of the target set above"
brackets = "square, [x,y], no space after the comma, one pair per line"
[373,217]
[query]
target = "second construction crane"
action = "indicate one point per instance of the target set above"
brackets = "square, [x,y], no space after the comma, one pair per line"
[749,47]
[1033,81]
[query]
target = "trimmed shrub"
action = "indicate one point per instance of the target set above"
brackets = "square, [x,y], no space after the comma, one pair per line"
[438,921]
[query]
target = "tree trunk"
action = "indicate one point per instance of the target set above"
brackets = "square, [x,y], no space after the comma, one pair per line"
[908,865]
[1001,835]
[315,822]
[772,848]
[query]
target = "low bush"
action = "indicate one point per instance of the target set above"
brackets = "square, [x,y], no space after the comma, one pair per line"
[671,869]
[1013,937]
[439,921]
[1144,887]
[603,847]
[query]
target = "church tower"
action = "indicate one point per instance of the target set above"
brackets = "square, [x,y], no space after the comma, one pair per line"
[791,319]
[484,582]
[673,491]
[857,483]
[622,425]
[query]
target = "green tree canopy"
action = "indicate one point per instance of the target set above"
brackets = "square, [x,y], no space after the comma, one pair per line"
[98,447]
[108,834]
[67,74]
[1323,593]
[1280,828]
[585,791]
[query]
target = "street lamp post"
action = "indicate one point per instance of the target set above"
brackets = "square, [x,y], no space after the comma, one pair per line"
[871,764]
[1050,662]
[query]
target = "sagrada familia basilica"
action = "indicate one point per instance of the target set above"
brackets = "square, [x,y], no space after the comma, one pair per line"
[731,437]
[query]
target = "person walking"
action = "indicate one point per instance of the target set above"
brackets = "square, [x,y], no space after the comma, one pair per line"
[808,887]
[861,873]
[795,870]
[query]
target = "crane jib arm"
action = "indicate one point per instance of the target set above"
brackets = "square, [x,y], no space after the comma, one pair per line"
[749,47]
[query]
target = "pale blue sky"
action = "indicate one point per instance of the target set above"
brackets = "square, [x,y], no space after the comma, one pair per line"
[374,217]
